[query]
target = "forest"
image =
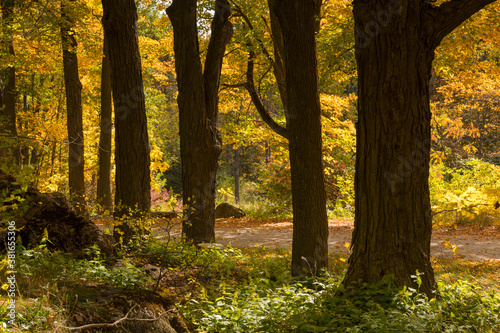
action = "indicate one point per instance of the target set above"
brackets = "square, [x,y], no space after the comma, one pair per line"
[250,166]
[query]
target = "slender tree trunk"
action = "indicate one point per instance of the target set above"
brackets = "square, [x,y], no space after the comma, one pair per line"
[133,195]
[198,110]
[237,175]
[267,152]
[394,51]
[293,27]
[310,224]
[73,86]
[104,179]
[9,148]
[53,157]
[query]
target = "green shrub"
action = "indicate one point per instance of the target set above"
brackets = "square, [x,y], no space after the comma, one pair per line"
[468,194]
[38,267]
[256,308]
[266,299]
[384,308]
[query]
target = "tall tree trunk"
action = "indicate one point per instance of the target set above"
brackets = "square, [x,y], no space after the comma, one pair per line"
[73,87]
[9,148]
[133,179]
[237,175]
[394,50]
[104,180]
[198,109]
[310,224]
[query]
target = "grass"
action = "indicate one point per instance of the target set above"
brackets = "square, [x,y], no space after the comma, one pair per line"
[251,290]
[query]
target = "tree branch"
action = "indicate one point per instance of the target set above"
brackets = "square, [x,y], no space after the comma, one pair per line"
[116,323]
[250,85]
[496,205]
[263,112]
[229,86]
[444,19]
[222,31]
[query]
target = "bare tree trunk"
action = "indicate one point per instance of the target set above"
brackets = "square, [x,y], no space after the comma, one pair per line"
[73,86]
[104,197]
[133,179]
[297,19]
[198,110]
[394,52]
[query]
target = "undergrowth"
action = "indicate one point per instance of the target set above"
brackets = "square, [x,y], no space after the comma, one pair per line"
[259,304]
[251,290]
[42,278]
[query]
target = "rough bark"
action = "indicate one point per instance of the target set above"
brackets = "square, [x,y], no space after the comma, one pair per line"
[297,19]
[198,109]
[9,149]
[132,158]
[104,179]
[76,159]
[395,43]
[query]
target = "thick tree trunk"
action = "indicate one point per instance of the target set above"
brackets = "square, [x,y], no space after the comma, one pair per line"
[73,87]
[395,45]
[104,180]
[198,108]
[392,228]
[9,148]
[310,224]
[133,179]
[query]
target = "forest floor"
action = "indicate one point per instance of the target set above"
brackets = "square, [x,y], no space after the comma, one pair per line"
[457,241]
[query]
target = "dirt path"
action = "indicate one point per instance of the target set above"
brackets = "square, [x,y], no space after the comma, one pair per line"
[477,243]
[473,243]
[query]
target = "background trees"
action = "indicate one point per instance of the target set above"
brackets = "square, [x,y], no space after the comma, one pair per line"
[103,191]
[9,150]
